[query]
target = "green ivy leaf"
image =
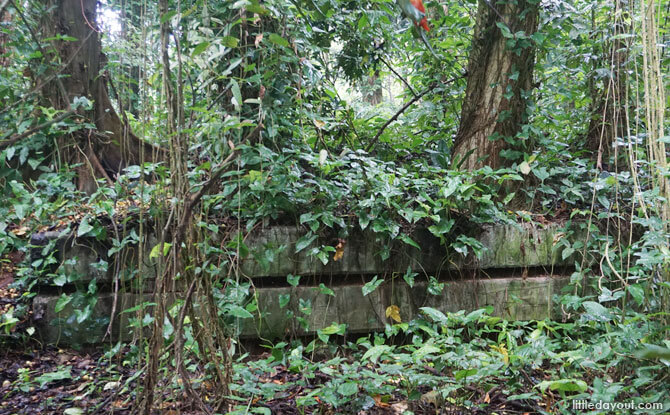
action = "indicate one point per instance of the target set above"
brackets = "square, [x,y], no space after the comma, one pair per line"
[239,312]
[167,16]
[376,351]
[637,292]
[305,241]
[348,388]
[563,385]
[596,311]
[237,94]
[325,290]
[293,280]
[372,285]
[462,374]
[278,40]
[230,41]
[201,47]
[442,227]
[406,239]
[63,301]
[84,227]
[54,376]
[334,329]
[436,315]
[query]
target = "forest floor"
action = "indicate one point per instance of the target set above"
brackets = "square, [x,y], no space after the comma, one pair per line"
[64,381]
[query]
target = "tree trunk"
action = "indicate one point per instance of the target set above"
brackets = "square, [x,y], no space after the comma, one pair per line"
[131,21]
[500,78]
[608,110]
[103,152]
[373,91]
[5,21]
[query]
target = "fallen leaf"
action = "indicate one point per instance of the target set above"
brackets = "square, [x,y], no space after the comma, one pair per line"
[20,231]
[431,398]
[399,407]
[118,404]
[379,402]
[557,237]
[111,385]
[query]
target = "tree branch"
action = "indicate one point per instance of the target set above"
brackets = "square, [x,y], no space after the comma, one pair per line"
[395,117]
[401,110]
[404,81]
[18,137]
[195,198]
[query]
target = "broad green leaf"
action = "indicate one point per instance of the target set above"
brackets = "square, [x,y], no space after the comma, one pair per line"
[60,280]
[425,350]
[167,16]
[278,40]
[436,315]
[84,227]
[563,385]
[477,314]
[230,41]
[305,241]
[372,285]
[652,351]
[54,376]
[325,290]
[637,292]
[237,94]
[257,8]
[293,280]
[450,188]
[63,301]
[334,329]
[596,311]
[406,239]
[442,227]
[524,167]
[463,374]
[348,388]
[159,250]
[239,312]
[201,47]
[376,351]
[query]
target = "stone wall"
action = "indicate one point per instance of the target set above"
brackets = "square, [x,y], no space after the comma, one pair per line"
[519,271]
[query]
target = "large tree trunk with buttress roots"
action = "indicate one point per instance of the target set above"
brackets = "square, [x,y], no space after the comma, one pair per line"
[105,151]
[500,79]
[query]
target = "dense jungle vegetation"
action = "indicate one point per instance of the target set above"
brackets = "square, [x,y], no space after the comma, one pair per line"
[169,131]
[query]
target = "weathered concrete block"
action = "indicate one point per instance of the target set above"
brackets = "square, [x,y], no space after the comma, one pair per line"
[63,327]
[505,246]
[511,298]
[520,246]
[273,253]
